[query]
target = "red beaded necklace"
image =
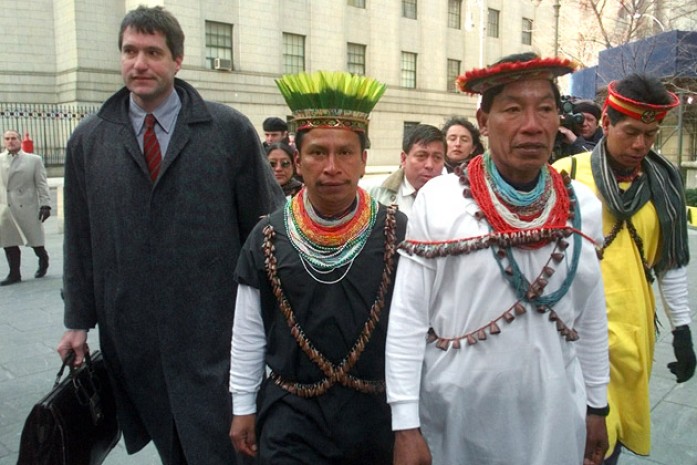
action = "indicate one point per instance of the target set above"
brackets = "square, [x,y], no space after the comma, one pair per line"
[478,187]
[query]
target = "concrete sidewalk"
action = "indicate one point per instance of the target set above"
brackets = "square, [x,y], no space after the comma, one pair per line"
[31,324]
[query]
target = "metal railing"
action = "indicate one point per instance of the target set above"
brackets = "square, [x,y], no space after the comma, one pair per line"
[49,126]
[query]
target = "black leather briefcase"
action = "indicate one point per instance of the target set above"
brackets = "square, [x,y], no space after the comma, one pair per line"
[75,424]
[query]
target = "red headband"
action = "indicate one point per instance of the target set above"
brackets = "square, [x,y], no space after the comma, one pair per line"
[646,112]
[478,81]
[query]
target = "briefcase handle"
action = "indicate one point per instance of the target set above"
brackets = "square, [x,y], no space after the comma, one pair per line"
[85,389]
[68,362]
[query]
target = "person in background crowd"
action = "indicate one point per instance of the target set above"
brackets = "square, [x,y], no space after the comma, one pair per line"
[282,160]
[422,159]
[588,133]
[275,130]
[25,203]
[315,284]
[591,131]
[645,228]
[497,344]
[161,190]
[463,141]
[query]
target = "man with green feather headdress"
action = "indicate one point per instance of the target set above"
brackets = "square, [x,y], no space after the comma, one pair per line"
[315,283]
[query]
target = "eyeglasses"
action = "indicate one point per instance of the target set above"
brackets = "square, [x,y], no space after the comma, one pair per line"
[284,164]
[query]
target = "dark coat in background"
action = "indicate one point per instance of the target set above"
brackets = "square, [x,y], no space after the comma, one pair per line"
[153,265]
[580,145]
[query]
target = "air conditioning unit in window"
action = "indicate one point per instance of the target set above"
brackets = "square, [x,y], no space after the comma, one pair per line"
[222,64]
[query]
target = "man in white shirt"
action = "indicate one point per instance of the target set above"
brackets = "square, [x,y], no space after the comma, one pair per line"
[497,349]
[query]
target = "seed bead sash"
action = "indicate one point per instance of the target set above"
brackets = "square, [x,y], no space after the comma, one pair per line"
[504,237]
[333,373]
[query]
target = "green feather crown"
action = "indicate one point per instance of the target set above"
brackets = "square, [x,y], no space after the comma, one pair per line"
[330,99]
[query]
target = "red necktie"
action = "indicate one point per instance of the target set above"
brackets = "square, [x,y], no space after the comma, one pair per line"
[151,147]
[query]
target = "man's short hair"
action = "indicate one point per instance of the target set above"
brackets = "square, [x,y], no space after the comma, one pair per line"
[642,88]
[274,124]
[488,96]
[149,20]
[422,134]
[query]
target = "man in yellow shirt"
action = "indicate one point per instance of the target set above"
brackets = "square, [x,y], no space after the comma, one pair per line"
[645,229]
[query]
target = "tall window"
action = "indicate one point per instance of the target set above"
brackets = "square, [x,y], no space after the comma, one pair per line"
[493,23]
[409,70]
[408,126]
[293,53]
[526,38]
[218,45]
[357,3]
[409,9]
[355,58]
[453,73]
[454,10]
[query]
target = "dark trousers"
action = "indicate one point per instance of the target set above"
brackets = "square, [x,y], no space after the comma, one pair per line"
[612,460]
[171,453]
[290,436]
[14,259]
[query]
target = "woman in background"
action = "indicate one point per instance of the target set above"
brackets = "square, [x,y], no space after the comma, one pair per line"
[280,156]
[463,142]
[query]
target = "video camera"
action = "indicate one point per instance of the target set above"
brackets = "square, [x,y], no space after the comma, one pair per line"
[567,117]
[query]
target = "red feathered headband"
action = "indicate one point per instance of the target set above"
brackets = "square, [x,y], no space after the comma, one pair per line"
[646,112]
[478,81]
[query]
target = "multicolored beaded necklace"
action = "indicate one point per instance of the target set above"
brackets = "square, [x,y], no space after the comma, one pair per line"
[498,205]
[333,373]
[507,209]
[485,185]
[327,244]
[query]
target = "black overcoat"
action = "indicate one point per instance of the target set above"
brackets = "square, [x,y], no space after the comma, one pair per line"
[152,265]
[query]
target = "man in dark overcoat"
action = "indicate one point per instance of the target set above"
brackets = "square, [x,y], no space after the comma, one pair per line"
[153,228]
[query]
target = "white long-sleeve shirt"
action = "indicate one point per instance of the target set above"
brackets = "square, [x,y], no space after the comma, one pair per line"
[519,396]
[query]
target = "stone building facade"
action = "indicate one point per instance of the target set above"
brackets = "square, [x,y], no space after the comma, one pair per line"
[65,51]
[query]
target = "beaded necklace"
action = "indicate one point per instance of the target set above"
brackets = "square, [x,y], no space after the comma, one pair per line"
[483,190]
[502,242]
[333,373]
[327,244]
[508,193]
[500,203]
